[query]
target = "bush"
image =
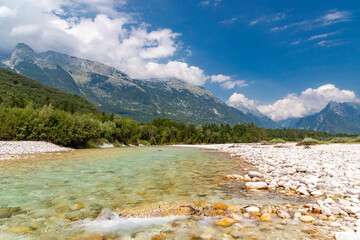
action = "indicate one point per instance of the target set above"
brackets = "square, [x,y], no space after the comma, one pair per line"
[309,141]
[278,140]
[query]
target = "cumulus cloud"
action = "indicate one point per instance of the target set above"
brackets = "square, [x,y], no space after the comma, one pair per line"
[238,100]
[308,102]
[220,78]
[233,84]
[227,82]
[96,30]
[7,12]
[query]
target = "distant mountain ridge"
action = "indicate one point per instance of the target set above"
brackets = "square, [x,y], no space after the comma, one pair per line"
[334,118]
[114,91]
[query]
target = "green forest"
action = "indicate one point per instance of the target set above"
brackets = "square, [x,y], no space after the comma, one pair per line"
[81,130]
[30,110]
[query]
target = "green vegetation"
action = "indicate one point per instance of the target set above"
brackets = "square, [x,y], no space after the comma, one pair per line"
[277,140]
[17,90]
[91,129]
[32,111]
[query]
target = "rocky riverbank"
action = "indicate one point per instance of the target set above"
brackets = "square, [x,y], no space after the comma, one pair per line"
[330,174]
[9,150]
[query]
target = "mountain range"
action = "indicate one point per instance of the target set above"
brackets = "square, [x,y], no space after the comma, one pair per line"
[113,91]
[334,118]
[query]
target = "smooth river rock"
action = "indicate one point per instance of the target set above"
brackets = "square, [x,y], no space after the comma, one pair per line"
[256,185]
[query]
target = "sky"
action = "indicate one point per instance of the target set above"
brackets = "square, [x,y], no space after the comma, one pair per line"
[285,58]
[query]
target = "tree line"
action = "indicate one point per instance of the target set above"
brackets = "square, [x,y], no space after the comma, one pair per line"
[65,126]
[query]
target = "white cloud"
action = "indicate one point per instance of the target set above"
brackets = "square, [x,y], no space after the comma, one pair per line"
[272,18]
[308,102]
[330,43]
[220,78]
[233,84]
[96,30]
[6,12]
[334,16]
[325,35]
[238,100]
[227,82]
[329,18]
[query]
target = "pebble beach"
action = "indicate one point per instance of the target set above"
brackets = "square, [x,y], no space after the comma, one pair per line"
[9,150]
[328,174]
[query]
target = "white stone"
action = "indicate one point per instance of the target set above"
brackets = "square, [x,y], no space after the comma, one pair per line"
[329,201]
[344,202]
[334,224]
[351,210]
[252,209]
[346,236]
[256,185]
[253,174]
[303,191]
[326,211]
[335,210]
[317,193]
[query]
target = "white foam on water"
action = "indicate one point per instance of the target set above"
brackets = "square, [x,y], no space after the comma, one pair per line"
[110,222]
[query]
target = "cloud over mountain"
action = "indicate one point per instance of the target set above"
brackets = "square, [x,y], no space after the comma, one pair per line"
[308,102]
[107,35]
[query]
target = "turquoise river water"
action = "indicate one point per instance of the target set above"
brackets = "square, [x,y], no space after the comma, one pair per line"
[60,195]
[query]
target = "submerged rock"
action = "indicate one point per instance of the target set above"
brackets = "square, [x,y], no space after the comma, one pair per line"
[220,206]
[225,222]
[8,212]
[307,219]
[266,217]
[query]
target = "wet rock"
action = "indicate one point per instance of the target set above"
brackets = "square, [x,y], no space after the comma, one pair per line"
[8,212]
[234,208]
[225,222]
[164,210]
[234,177]
[256,185]
[235,216]
[91,236]
[283,214]
[78,206]
[19,229]
[307,219]
[266,217]
[220,206]
[210,212]
[158,237]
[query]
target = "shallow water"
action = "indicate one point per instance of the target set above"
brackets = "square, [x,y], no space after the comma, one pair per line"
[60,195]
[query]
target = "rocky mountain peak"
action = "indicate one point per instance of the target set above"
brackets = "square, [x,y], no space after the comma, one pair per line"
[22,52]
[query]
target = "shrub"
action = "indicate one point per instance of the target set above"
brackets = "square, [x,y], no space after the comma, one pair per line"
[278,140]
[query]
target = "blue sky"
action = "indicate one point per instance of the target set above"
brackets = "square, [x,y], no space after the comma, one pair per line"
[258,52]
[238,38]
